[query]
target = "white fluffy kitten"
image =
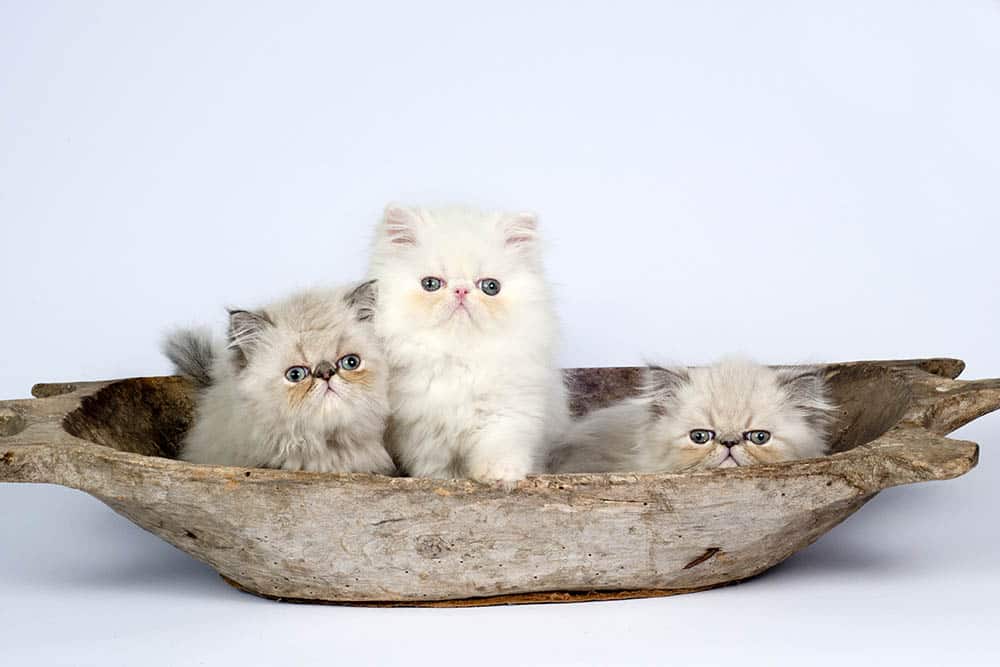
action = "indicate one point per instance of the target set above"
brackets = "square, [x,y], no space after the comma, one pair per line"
[733,413]
[470,334]
[301,385]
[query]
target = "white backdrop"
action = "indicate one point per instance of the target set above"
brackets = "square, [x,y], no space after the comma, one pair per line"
[794,181]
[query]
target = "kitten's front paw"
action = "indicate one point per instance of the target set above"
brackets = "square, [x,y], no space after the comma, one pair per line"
[506,473]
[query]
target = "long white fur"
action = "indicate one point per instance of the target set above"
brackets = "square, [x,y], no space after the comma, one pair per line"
[651,433]
[249,416]
[475,393]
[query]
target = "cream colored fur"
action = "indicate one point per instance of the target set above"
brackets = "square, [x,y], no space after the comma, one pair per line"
[652,433]
[251,415]
[475,390]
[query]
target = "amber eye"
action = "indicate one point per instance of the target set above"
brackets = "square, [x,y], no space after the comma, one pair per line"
[701,436]
[489,286]
[296,373]
[431,284]
[349,362]
[758,437]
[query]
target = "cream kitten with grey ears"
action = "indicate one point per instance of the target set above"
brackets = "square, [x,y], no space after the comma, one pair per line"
[733,413]
[300,385]
[468,325]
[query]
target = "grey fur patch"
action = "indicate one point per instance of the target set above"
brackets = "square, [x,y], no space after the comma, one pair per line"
[363,299]
[245,327]
[661,384]
[192,355]
[807,391]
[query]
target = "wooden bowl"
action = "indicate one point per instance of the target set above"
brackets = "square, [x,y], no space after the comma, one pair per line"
[377,540]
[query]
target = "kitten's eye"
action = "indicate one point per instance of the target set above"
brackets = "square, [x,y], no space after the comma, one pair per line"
[490,286]
[349,362]
[431,284]
[296,373]
[701,436]
[758,437]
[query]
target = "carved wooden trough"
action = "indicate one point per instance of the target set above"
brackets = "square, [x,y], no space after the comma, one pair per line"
[377,540]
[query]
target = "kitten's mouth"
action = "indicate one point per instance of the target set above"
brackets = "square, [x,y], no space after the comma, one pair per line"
[460,307]
[729,462]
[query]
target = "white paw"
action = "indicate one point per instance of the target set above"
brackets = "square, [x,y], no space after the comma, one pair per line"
[508,474]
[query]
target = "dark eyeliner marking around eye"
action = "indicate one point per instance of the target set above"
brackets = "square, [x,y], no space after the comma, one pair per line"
[701,436]
[759,437]
[296,374]
[489,286]
[349,362]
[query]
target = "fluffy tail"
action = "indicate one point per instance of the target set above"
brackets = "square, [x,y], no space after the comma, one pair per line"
[191,353]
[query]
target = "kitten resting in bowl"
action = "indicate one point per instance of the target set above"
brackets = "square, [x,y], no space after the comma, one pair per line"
[733,413]
[300,385]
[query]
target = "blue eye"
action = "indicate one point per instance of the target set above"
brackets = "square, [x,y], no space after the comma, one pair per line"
[757,437]
[296,374]
[700,436]
[431,284]
[490,286]
[349,362]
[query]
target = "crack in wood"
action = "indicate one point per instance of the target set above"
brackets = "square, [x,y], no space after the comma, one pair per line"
[385,521]
[711,552]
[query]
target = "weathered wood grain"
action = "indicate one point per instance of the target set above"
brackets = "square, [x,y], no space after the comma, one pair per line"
[378,540]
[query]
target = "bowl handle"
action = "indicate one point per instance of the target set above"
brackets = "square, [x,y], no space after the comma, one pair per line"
[909,454]
[950,404]
[34,446]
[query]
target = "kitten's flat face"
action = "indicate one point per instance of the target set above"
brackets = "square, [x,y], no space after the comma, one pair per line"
[455,271]
[313,363]
[732,414]
[311,369]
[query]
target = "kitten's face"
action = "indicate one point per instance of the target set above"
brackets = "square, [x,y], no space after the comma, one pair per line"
[310,360]
[457,271]
[736,414]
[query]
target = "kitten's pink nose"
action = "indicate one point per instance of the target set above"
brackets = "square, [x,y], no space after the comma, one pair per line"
[461,293]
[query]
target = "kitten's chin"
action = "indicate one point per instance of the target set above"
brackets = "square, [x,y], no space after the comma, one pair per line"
[741,458]
[324,394]
[460,311]
[463,319]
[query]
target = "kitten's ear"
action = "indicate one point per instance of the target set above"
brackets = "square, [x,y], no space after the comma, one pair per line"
[807,391]
[245,328]
[661,385]
[399,225]
[520,230]
[362,300]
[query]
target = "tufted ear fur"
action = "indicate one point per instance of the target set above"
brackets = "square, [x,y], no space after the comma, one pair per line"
[807,391]
[245,328]
[520,229]
[660,385]
[399,225]
[363,299]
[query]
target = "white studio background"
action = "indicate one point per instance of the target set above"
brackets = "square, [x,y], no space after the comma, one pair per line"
[793,181]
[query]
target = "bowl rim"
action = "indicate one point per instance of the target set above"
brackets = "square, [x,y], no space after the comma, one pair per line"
[914,449]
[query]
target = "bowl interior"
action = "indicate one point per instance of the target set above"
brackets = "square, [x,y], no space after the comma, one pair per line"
[150,416]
